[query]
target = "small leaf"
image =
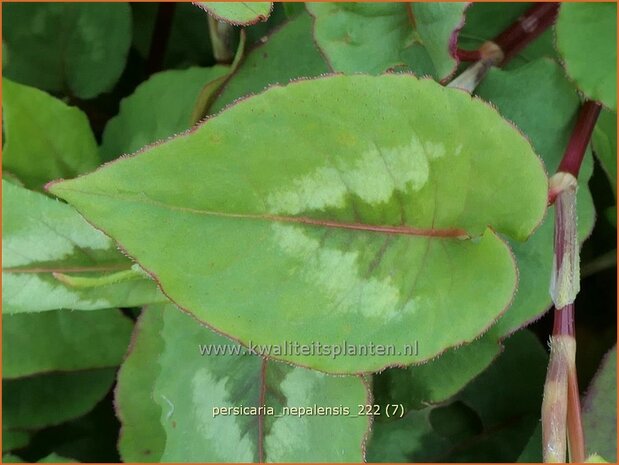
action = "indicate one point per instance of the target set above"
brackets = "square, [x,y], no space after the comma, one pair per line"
[159,108]
[76,49]
[61,340]
[586,40]
[41,237]
[605,145]
[272,63]
[45,400]
[238,14]
[195,432]
[45,138]
[600,410]
[55,458]
[375,37]
[361,222]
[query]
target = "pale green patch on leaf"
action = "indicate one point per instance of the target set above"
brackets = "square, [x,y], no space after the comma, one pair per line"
[159,108]
[42,236]
[272,63]
[605,145]
[586,40]
[375,37]
[76,49]
[55,458]
[45,138]
[238,13]
[600,410]
[596,458]
[197,432]
[361,221]
[46,400]
[61,340]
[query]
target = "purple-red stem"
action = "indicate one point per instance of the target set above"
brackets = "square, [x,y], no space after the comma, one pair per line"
[160,37]
[519,34]
[581,134]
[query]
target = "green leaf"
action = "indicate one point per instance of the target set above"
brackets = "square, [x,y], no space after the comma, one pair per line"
[486,20]
[312,247]
[55,458]
[46,400]
[142,437]
[438,380]
[45,138]
[543,105]
[272,63]
[586,40]
[11,458]
[238,13]
[160,107]
[42,236]
[506,405]
[596,458]
[375,37]
[14,439]
[600,410]
[61,340]
[77,49]
[605,145]
[195,433]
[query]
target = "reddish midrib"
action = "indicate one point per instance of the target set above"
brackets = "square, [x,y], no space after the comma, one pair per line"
[403,230]
[261,401]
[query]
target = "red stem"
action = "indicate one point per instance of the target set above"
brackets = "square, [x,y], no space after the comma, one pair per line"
[528,27]
[564,321]
[468,55]
[581,134]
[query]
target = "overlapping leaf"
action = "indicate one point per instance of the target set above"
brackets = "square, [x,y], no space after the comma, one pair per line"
[160,107]
[41,237]
[62,341]
[375,37]
[272,63]
[586,38]
[45,138]
[605,144]
[192,431]
[50,399]
[268,227]
[600,410]
[238,13]
[494,416]
[76,49]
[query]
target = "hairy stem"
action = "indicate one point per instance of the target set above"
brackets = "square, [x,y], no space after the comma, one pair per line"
[561,413]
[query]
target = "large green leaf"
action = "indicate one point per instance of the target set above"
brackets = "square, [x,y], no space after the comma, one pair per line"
[194,433]
[238,13]
[600,410]
[353,234]
[76,49]
[142,438]
[375,37]
[62,341]
[491,420]
[45,400]
[41,237]
[160,107]
[605,144]
[45,138]
[272,63]
[586,40]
